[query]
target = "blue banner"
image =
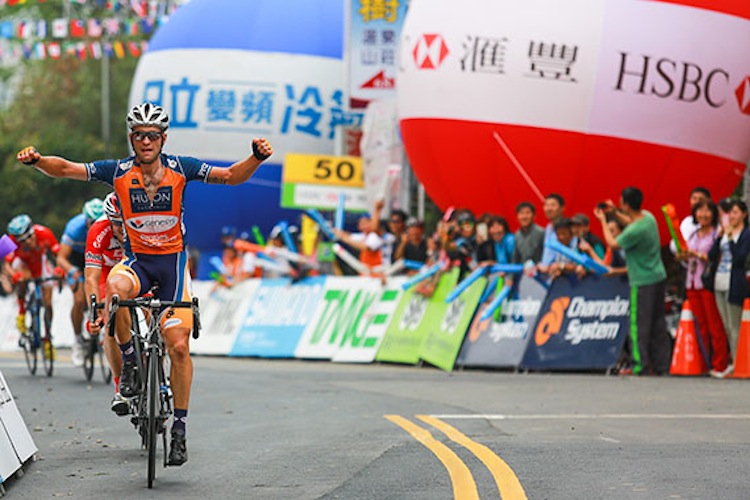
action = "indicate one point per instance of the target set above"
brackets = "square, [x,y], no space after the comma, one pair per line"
[501,344]
[582,325]
[277,317]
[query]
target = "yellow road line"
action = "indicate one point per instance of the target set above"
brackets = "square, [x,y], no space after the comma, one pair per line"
[464,486]
[507,482]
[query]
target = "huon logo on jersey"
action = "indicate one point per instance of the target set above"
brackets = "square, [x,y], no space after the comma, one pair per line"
[430,51]
[140,202]
[665,78]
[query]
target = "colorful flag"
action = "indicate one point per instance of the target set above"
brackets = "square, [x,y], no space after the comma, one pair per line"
[95,28]
[23,29]
[119,49]
[60,28]
[41,29]
[134,49]
[77,28]
[40,50]
[112,26]
[96,50]
[53,49]
[81,51]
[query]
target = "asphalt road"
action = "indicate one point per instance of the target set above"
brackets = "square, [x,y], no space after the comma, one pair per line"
[291,429]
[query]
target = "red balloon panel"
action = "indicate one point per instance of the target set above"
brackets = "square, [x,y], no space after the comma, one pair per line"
[461,164]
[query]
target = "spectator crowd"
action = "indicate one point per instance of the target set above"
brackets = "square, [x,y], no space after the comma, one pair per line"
[713,256]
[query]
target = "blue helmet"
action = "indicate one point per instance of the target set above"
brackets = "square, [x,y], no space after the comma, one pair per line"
[20,227]
[93,209]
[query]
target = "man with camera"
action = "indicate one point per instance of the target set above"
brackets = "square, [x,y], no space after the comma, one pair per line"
[651,344]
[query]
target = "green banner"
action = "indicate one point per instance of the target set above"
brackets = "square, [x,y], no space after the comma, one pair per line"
[446,328]
[410,325]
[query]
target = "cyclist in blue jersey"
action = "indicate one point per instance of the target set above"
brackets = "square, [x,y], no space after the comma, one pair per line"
[71,260]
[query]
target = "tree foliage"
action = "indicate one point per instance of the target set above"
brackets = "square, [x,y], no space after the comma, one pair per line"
[56,107]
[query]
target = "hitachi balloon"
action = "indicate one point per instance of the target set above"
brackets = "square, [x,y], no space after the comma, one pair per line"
[227,71]
[502,101]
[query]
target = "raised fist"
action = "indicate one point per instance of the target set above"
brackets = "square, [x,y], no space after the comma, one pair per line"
[28,155]
[262,149]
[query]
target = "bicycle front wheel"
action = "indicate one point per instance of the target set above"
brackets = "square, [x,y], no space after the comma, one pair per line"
[88,359]
[30,351]
[153,409]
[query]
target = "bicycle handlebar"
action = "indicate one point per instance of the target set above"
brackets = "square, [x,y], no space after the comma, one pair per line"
[159,305]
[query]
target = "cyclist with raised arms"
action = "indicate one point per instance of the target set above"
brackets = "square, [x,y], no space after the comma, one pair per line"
[34,258]
[70,258]
[104,249]
[150,187]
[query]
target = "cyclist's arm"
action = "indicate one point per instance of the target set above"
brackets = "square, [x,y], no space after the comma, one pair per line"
[92,275]
[53,166]
[63,257]
[241,171]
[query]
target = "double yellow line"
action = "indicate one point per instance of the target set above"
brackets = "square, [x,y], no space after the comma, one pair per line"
[464,486]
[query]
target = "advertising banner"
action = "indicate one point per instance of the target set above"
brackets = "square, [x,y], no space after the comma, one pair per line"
[363,343]
[375,28]
[410,325]
[277,316]
[223,311]
[340,317]
[582,325]
[446,326]
[501,344]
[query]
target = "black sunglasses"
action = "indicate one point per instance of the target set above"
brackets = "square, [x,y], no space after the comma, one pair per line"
[152,136]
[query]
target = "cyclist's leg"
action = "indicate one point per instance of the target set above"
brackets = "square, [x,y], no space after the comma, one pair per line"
[176,326]
[20,271]
[46,272]
[111,351]
[79,297]
[125,280]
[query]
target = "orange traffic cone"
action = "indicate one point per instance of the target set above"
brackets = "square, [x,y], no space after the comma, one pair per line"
[687,358]
[742,358]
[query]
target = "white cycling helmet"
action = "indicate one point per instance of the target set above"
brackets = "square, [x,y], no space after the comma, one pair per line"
[112,208]
[147,114]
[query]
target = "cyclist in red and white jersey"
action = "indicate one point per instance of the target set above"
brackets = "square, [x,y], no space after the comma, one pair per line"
[34,258]
[104,249]
[150,187]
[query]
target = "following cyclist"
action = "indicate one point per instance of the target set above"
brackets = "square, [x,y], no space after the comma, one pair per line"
[104,249]
[150,187]
[34,258]
[71,260]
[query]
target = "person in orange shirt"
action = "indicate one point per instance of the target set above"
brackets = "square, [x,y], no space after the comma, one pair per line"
[150,188]
[367,241]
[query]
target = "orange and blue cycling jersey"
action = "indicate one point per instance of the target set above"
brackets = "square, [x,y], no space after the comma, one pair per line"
[154,230]
[152,226]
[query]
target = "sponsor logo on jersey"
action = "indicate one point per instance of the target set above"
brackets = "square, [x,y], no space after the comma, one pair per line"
[152,224]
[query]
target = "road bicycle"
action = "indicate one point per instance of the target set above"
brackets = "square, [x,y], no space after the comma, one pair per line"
[36,339]
[152,406]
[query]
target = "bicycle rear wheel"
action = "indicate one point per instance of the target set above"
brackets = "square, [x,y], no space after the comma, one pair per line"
[153,408]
